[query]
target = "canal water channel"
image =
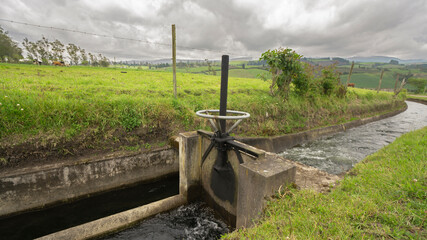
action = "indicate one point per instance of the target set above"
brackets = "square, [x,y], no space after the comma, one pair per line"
[338,153]
[335,154]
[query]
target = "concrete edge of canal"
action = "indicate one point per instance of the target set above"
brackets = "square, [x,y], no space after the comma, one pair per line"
[32,189]
[417,100]
[117,221]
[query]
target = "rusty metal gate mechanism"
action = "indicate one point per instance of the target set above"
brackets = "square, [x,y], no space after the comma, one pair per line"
[222,175]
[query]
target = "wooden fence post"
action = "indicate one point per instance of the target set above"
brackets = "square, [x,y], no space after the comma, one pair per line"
[395,84]
[381,78]
[174,59]
[349,74]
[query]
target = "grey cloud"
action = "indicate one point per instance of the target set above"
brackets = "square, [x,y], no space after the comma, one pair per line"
[383,27]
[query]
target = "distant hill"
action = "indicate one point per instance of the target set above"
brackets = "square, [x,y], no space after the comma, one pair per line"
[317,61]
[165,60]
[384,59]
[169,60]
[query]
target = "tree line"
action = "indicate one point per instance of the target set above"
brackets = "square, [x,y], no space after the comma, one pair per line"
[9,50]
[44,51]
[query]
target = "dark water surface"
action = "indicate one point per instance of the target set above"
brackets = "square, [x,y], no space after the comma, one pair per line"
[193,221]
[49,220]
[340,152]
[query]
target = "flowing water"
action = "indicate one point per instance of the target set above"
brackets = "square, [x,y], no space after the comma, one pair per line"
[339,153]
[193,221]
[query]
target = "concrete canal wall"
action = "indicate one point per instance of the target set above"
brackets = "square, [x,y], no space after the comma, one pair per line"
[27,189]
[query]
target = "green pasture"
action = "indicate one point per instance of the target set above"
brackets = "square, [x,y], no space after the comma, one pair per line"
[369,78]
[236,70]
[249,73]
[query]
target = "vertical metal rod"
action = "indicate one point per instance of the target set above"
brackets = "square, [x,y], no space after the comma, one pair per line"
[224,88]
[174,59]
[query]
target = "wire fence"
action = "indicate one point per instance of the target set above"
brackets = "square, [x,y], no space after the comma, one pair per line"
[200,52]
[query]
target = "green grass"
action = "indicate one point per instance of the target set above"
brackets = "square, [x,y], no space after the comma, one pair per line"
[235,70]
[51,108]
[371,80]
[248,73]
[55,98]
[383,197]
[368,75]
[420,97]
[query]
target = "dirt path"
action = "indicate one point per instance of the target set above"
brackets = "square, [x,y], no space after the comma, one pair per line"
[312,178]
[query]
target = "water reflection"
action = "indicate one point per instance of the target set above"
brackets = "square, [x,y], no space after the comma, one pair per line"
[340,152]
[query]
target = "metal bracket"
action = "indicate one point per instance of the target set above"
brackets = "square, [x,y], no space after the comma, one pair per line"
[224,143]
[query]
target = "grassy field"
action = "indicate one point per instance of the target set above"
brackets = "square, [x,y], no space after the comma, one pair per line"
[367,75]
[236,70]
[383,197]
[66,111]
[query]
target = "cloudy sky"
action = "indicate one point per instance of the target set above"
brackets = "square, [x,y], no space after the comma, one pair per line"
[314,28]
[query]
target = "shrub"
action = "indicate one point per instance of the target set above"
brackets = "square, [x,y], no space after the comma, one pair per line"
[328,80]
[303,80]
[285,66]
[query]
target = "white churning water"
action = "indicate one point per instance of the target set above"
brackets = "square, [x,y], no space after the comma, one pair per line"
[340,152]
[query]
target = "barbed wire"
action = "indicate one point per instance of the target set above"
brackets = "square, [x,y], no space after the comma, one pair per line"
[118,37]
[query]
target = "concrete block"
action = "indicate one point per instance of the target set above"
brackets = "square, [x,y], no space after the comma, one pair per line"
[189,165]
[259,179]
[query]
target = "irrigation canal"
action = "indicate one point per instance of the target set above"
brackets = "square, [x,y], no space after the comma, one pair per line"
[335,154]
[338,153]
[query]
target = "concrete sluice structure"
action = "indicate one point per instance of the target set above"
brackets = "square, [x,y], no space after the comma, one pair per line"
[256,179]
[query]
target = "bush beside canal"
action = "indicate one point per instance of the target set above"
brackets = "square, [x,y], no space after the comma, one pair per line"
[383,197]
[49,112]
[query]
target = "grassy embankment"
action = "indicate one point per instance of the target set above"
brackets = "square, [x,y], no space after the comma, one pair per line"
[383,197]
[49,111]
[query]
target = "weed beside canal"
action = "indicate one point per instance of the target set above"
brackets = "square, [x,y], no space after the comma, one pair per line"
[383,197]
